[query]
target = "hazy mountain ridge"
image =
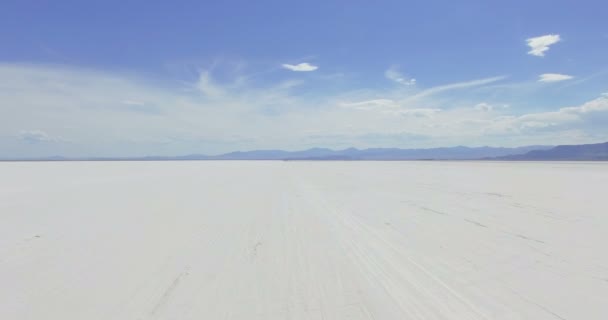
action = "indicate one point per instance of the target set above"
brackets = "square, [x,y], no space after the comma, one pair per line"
[588,152]
[584,152]
[449,153]
[444,153]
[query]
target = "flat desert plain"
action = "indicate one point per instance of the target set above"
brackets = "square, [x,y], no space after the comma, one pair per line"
[303,240]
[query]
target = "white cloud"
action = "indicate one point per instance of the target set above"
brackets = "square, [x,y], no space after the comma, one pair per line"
[487,107]
[304,66]
[369,104]
[391,107]
[452,86]
[538,45]
[94,111]
[393,74]
[418,112]
[563,118]
[207,86]
[553,77]
[598,105]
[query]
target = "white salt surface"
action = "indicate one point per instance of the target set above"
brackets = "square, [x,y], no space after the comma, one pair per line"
[303,240]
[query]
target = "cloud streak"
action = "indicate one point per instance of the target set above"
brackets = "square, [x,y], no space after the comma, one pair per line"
[454,86]
[393,74]
[553,77]
[301,67]
[369,104]
[207,85]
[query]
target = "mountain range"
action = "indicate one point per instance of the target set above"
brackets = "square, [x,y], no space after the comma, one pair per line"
[451,153]
[589,152]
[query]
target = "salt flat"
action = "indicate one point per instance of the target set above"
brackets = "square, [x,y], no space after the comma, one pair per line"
[303,240]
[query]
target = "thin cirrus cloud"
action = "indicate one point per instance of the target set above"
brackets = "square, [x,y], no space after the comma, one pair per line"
[553,77]
[369,104]
[539,45]
[35,136]
[486,107]
[300,67]
[99,111]
[453,86]
[393,74]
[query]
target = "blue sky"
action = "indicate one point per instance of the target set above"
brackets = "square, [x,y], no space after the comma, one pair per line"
[122,78]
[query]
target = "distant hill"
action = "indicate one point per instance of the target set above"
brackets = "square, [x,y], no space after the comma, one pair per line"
[449,153]
[583,152]
[452,153]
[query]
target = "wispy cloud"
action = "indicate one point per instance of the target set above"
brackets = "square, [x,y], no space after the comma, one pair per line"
[567,118]
[553,77]
[539,45]
[369,104]
[484,107]
[453,86]
[35,136]
[487,107]
[301,67]
[418,112]
[394,74]
[390,107]
[94,110]
[207,85]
